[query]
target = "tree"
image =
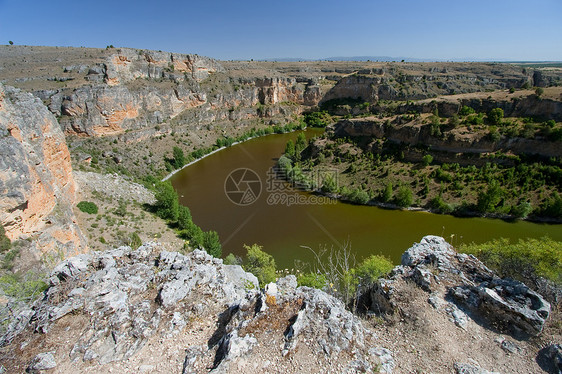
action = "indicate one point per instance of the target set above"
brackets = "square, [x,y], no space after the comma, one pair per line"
[495,116]
[427,159]
[179,158]
[300,145]
[404,197]
[212,243]
[487,201]
[387,193]
[167,205]
[539,91]
[184,217]
[290,149]
[261,264]
[11,42]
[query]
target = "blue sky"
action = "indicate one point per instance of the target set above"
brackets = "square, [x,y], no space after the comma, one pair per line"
[430,29]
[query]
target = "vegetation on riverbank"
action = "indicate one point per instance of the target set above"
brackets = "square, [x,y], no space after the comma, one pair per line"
[376,171]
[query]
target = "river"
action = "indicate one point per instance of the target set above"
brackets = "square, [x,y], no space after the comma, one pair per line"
[248,208]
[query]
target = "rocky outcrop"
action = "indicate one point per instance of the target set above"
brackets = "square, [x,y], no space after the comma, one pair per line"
[463,287]
[122,301]
[130,64]
[454,143]
[422,81]
[37,189]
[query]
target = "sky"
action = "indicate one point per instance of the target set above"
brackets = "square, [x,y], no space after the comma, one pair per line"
[470,30]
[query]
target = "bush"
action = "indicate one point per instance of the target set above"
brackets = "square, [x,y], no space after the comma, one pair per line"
[438,204]
[193,233]
[539,91]
[212,243]
[26,288]
[489,200]
[184,217]
[427,159]
[466,110]
[358,196]
[387,193]
[404,197]
[261,264]
[167,206]
[329,184]
[525,260]
[135,240]
[179,158]
[290,149]
[521,210]
[373,268]
[87,207]
[314,280]
[5,243]
[232,260]
[495,116]
[552,207]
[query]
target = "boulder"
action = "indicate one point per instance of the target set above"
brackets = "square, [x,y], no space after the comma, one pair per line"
[507,304]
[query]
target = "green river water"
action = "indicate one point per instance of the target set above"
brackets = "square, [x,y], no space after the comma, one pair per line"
[289,224]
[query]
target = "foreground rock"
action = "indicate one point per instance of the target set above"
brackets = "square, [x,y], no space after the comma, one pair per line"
[434,265]
[106,310]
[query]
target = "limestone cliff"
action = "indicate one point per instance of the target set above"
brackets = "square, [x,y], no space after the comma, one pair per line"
[37,189]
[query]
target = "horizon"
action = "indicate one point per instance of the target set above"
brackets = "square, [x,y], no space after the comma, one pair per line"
[324,59]
[435,30]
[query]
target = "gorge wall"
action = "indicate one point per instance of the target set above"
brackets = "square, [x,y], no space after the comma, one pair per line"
[37,189]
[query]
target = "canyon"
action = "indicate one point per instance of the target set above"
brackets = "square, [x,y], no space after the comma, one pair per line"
[120,111]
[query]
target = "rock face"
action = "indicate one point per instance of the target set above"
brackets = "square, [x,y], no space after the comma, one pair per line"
[37,189]
[455,143]
[463,287]
[124,301]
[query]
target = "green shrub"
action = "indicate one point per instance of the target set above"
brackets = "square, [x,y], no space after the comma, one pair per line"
[552,207]
[495,116]
[167,206]
[87,207]
[184,217]
[525,260]
[466,110]
[329,185]
[404,197]
[539,91]
[9,258]
[358,196]
[27,288]
[521,210]
[290,149]
[427,159]
[212,243]
[489,200]
[193,233]
[232,260]
[5,243]
[135,241]
[261,264]
[121,209]
[439,205]
[387,193]
[313,280]
[373,268]
[179,158]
